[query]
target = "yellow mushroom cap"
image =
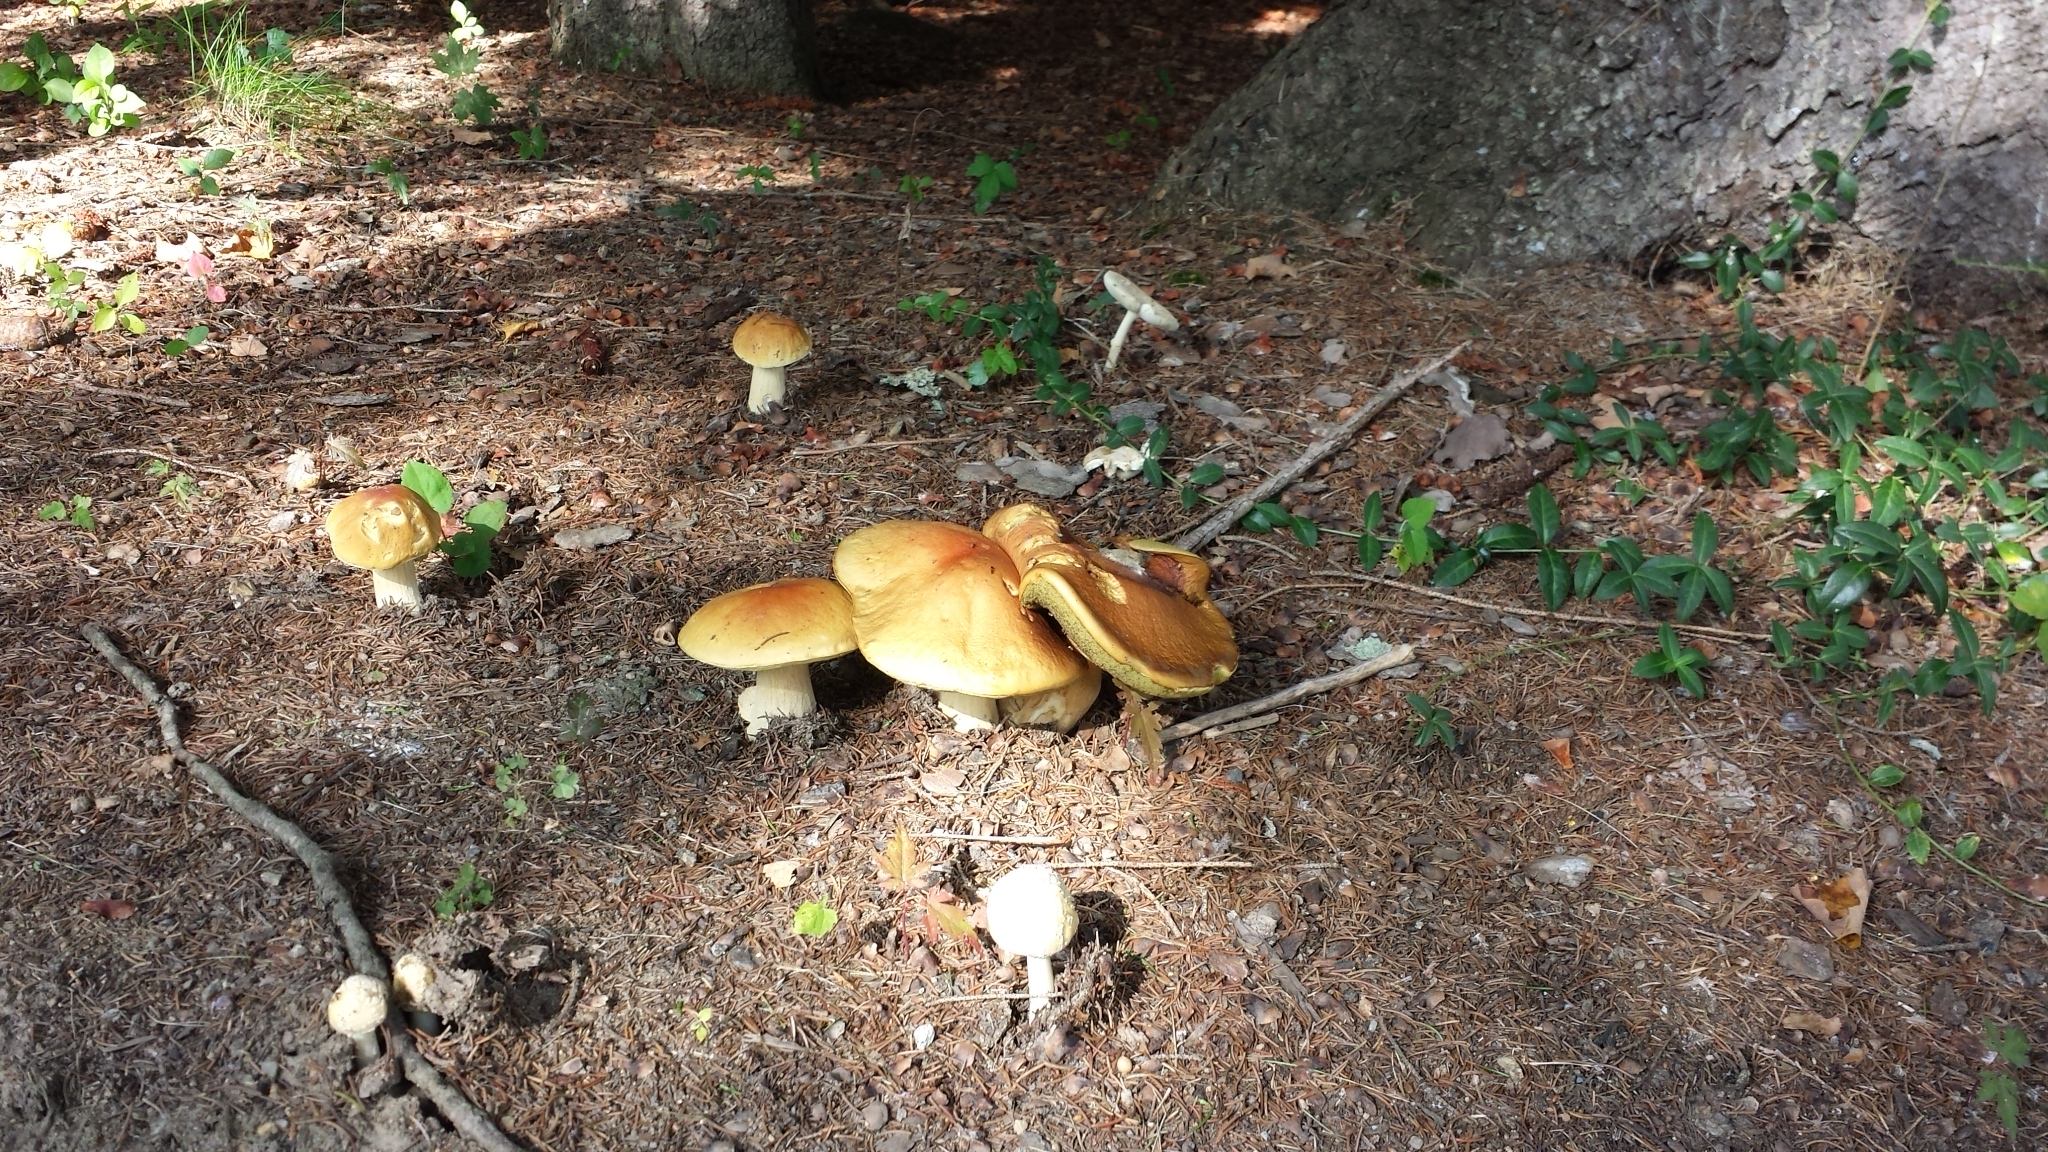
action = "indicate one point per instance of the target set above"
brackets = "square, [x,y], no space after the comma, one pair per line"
[796,621]
[383,527]
[770,340]
[1140,612]
[935,605]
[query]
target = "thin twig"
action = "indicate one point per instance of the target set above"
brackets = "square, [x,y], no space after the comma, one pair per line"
[1393,657]
[151,397]
[169,459]
[1572,617]
[1233,511]
[1032,841]
[1108,864]
[363,954]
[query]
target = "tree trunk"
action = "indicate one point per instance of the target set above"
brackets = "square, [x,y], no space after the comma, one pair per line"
[1517,134]
[755,45]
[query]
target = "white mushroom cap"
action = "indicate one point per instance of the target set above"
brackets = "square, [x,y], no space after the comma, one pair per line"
[359,1006]
[1030,913]
[1136,299]
[411,976]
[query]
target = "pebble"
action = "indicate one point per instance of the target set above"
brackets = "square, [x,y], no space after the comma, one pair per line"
[875,1116]
[1807,960]
[1570,871]
[895,1142]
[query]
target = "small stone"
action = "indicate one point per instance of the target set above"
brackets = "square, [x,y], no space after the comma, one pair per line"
[875,1116]
[1842,813]
[923,1035]
[1569,871]
[1807,960]
[591,539]
[895,1142]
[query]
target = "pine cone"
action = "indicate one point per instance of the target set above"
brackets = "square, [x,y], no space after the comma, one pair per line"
[88,225]
[26,332]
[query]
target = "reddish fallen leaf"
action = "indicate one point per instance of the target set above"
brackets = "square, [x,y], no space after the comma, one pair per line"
[1839,905]
[1560,750]
[2006,775]
[111,909]
[2036,887]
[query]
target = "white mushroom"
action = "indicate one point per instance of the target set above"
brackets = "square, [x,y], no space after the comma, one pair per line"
[301,473]
[1031,915]
[357,1009]
[1138,305]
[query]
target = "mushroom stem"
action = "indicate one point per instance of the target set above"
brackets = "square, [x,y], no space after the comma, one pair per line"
[367,1050]
[776,693]
[397,587]
[768,388]
[1038,981]
[969,713]
[1116,343]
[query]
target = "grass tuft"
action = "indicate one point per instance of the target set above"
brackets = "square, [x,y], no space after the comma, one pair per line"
[250,81]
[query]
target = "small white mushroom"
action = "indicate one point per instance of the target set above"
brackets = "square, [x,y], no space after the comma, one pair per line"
[411,976]
[1031,915]
[301,473]
[357,1009]
[1138,305]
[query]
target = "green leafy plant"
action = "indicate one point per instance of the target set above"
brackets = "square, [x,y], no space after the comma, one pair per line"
[201,169]
[813,918]
[563,783]
[1673,659]
[112,311]
[95,99]
[1417,544]
[387,168]
[1995,1084]
[475,103]
[469,549]
[794,126]
[1118,138]
[532,139]
[469,892]
[193,339]
[914,187]
[1433,724]
[699,1018]
[760,174]
[992,178]
[77,511]
[179,486]
[504,778]
[582,720]
[250,81]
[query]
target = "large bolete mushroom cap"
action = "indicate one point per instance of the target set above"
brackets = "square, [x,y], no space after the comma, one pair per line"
[770,342]
[935,605]
[776,631]
[1140,611]
[383,527]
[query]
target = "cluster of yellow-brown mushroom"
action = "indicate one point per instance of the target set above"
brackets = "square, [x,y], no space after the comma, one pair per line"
[964,614]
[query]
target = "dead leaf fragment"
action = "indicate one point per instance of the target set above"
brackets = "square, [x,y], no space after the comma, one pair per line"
[1839,905]
[1229,965]
[944,917]
[781,873]
[1479,437]
[257,241]
[245,344]
[516,326]
[470,136]
[111,909]
[942,781]
[1822,1026]
[1143,717]
[1560,750]
[898,862]
[1272,264]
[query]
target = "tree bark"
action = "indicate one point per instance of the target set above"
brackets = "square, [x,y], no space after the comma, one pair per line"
[755,45]
[1512,135]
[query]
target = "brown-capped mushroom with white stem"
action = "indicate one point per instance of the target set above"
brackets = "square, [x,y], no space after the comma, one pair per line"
[357,1009]
[776,631]
[385,529]
[770,342]
[1031,915]
[1138,305]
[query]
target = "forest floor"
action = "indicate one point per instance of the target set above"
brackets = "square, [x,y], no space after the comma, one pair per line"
[1306,935]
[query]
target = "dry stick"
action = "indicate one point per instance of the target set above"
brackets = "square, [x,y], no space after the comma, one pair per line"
[1109,864]
[363,954]
[1194,538]
[1032,841]
[166,401]
[1392,658]
[174,460]
[1572,617]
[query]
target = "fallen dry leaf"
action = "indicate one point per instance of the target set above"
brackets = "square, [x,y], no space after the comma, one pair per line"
[1822,1026]
[781,873]
[111,909]
[257,241]
[1605,412]
[944,917]
[1560,750]
[244,344]
[1839,905]
[517,326]
[2005,774]
[1272,264]
[942,781]
[168,253]
[1143,717]
[2036,887]
[471,136]
[898,862]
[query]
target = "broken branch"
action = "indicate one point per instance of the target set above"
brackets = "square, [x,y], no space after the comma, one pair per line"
[363,954]
[1234,510]
[1393,657]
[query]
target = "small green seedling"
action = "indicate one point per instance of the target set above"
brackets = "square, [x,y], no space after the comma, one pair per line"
[992,178]
[469,892]
[108,313]
[78,511]
[201,169]
[393,178]
[581,720]
[194,338]
[564,783]
[914,187]
[1434,723]
[532,139]
[758,173]
[1118,138]
[504,779]
[1996,1085]
[795,126]
[813,918]
[94,99]
[699,1018]
[475,103]
[1418,543]
[1673,659]
[179,486]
